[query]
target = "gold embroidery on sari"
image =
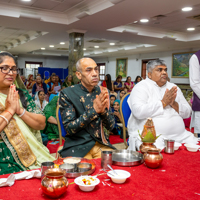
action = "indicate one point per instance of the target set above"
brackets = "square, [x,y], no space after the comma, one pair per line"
[18,141]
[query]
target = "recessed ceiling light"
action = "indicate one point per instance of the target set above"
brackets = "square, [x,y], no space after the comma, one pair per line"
[62,43]
[42,48]
[51,46]
[135,22]
[84,49]
[26,0]
[96,47]
[112,43]
[187,9]
[144,20]
[190,29]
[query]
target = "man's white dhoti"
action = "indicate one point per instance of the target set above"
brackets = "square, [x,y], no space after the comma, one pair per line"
[145,101]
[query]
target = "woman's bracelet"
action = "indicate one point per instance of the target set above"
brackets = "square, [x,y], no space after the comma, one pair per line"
[4,118]
[8,112]
[22,113]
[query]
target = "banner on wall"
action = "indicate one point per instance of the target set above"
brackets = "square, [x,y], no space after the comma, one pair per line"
[62,73]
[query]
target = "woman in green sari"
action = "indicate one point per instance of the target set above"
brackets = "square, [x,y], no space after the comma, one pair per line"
[68,82]
[21,145]
[51,130]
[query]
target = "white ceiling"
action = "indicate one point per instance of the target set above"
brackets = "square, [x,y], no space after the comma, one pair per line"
[25,27]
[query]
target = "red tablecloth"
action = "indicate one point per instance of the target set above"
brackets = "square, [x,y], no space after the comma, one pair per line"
[177,178]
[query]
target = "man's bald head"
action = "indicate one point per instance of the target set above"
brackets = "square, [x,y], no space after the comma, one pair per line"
[83,62]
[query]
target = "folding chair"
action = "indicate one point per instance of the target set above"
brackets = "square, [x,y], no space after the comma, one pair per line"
[125,112]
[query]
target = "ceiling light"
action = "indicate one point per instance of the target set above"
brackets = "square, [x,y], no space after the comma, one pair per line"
[190,29]
[25,0]
[84,49]
[62,43]
[135,22]
[51,46]
[96,47]
[42,48]
[187,9]
[144,20]
[112,44]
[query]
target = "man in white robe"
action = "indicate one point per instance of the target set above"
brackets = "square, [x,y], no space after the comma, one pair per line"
[162,101]
[194,67]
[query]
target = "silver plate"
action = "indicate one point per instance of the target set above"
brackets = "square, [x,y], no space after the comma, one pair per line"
[127,158]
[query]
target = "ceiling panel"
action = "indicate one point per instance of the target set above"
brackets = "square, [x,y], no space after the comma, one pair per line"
[45,4]
[7,1]
[66,5]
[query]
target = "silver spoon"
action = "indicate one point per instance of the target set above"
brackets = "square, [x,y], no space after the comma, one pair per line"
[108,172]
[112,169]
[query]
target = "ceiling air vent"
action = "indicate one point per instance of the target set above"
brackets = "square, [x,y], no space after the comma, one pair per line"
[97,41]
[197,17]
[63,49]
[158,17]
[58,1]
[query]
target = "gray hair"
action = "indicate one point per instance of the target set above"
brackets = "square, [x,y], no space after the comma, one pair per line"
[78,64]
[154,63]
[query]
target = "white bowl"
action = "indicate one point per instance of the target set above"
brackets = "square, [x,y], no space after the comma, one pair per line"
[123,175]
[177,145]
[86,188]
[192,147]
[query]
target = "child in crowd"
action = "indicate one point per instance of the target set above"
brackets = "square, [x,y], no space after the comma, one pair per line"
[112,99]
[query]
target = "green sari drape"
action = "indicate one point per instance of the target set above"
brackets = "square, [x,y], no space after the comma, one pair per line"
[9,161]
[51,130]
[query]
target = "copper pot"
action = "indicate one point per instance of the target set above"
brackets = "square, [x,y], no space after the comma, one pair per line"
[54,184]
[145,146]
[153,158]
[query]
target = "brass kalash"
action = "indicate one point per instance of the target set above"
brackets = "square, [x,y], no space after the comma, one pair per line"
[54,184]
[152,156]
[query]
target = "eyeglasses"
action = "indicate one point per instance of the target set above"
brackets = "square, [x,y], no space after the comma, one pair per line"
[6,70]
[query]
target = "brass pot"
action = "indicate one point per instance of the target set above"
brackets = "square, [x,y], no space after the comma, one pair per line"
[54,184]
[146,146]
[153,158]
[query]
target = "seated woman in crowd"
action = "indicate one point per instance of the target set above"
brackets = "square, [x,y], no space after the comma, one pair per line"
[121,94]
[29,84]
[20,121]
[40,100]
[68,82]
[117,130]
[129,84]
[109,84]
[23,79]
[58,80]
[138,79]
[118,85]
[39,86]
[53,87]
[51,129]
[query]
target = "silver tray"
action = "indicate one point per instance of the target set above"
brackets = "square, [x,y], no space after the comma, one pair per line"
[76,174]
[127,158]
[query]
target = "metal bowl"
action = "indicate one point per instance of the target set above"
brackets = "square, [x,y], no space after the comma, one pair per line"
[75,163]
[84,167]
[67,167]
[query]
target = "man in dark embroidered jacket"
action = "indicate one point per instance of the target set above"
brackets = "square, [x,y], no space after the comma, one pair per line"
[85,110]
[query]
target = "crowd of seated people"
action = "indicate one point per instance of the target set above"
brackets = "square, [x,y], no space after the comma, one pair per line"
[45,95]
